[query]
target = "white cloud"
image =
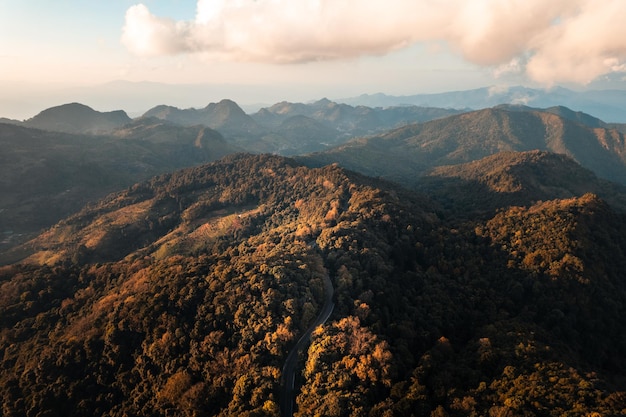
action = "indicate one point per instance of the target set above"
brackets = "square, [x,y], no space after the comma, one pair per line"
[514,66]
[496,90]
[554,41]
[146,34]
[587,44]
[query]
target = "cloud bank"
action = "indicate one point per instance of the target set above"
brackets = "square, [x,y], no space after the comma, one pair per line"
[550,41]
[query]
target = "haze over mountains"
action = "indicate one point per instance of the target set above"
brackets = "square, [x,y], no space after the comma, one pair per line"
[608,105]
[318,125]
[49,175]
[136,97]
[166,265]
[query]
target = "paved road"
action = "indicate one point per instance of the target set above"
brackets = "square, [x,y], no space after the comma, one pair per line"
[289,369]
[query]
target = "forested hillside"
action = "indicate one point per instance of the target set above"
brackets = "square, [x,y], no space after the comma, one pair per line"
[405,153]
[481,187]
[183,294]
[46,176]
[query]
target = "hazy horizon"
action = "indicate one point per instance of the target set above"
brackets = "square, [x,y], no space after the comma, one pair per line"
[266,51]
[136,97]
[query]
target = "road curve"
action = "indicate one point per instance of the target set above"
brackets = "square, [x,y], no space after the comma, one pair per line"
[289,369]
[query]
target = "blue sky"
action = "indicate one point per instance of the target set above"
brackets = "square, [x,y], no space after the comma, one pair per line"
[301,50]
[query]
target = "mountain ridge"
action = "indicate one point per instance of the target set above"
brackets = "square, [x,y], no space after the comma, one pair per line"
[357,120]
[508,178]
[469,136]
[48,175]
[225,116]
[47,171]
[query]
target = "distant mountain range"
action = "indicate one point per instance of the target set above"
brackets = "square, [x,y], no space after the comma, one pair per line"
[225,116]
[350,120]
[292,128]
[608,105]
[405,153]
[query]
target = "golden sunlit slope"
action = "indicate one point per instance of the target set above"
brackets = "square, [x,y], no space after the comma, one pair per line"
[183,294]
[180,212]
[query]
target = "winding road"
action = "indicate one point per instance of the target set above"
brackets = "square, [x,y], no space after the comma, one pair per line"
[289,369]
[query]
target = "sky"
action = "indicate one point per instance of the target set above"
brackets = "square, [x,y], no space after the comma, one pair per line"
[188,53]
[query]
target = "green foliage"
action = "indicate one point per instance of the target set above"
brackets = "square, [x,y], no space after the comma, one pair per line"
[183,295]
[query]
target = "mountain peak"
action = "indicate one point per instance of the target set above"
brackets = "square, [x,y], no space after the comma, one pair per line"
[225,105]
[78,118]
[228,102]
[323,102]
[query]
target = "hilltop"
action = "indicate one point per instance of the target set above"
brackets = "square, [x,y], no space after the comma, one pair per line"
[225,116]
[77,118]
[514,179]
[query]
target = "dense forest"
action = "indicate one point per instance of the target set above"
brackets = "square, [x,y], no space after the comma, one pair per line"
[183,294]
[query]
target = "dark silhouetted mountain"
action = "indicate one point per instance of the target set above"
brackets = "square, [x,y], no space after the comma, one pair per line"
[174,115]
[608,105]
[9,121]
[348,120]
[77,118]
[226,117]
[293,128]
[46,175]
[204,144]
[300,128]
[183,295]
[405,153]
[344,118]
